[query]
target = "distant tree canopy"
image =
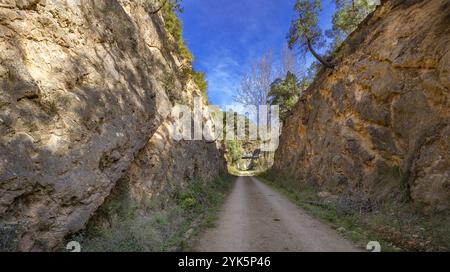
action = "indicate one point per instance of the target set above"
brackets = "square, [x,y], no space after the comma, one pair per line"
[286,92]
[306,35]
[235,151]
[234,146]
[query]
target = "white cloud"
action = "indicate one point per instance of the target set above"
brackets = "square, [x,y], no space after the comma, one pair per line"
[223,75]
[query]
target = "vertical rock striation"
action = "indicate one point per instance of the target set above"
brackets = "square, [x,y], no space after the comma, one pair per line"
[86,91]
[378,124]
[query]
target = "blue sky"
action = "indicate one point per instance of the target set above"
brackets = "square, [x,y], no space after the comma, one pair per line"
[226,35]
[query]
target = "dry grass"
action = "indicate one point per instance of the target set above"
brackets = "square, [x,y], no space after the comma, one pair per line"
[397,226]
[158,224]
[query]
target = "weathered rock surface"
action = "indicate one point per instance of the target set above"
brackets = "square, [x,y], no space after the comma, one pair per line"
[85,102]
[379,122]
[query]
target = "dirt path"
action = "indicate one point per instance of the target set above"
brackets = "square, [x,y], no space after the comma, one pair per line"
[256,218]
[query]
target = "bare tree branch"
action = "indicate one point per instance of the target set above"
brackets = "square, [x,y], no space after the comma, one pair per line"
[255,84]
[289,63]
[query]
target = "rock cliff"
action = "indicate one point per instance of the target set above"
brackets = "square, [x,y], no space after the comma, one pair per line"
[86,91]
[378,124]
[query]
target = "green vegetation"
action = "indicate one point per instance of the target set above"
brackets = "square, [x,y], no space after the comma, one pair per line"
[349,14]
[158,224]
[235,151]
[285,93]
[306,35]
[174,26]
[233,170]
[200,80]
[398,227]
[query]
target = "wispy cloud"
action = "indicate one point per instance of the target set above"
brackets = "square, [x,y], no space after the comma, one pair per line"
[227,35]
[223,74]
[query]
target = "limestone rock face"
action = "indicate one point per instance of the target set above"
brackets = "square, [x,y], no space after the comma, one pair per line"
[84,102]
[160,166]
[379,122]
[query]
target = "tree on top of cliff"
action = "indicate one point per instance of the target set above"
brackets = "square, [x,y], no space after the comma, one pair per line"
[349,14]
[201,82]
[176,4]
[170,10]
[174,26]
[305,33]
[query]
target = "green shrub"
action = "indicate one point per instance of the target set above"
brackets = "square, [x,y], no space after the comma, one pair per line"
[235,151]
[175,27]
[200,80]
[157,224]
[160,219]
[188,203]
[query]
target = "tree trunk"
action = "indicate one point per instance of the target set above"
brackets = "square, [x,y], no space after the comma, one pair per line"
[317,56]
